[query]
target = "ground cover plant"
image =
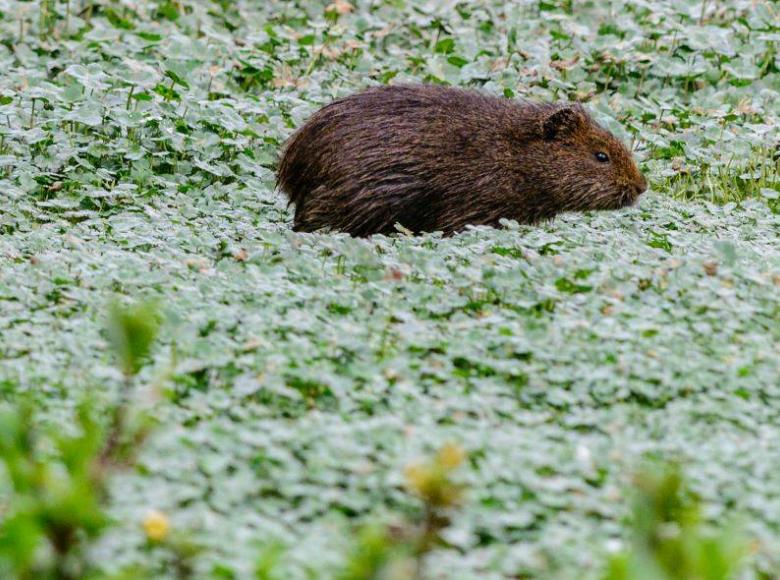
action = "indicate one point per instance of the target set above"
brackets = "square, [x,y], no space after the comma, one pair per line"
[296,377]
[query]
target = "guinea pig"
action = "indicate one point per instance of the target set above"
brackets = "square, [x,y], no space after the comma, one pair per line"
[432,158]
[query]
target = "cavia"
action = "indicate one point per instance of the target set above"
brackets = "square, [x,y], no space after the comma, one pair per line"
[438,159]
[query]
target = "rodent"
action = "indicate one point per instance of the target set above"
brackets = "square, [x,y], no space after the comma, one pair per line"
[433,158]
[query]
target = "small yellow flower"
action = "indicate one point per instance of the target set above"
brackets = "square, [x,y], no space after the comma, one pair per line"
[431,480]
[418,478]
[451,455]
[156,525]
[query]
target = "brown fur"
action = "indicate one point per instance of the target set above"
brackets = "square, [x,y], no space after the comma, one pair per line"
[438,159]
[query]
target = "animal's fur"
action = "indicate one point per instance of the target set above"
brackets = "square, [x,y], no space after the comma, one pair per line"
[437,159]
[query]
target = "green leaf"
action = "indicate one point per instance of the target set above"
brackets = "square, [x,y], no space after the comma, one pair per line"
[166,92]
[168,10]
[660,241]
[150,36]
[177,79]
[132,332]
[445,46]
[569,287]
[118,21]
[457,61]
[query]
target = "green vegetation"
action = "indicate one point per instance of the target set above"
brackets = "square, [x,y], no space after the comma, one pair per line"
[58,483]
[668,542]
[292,379]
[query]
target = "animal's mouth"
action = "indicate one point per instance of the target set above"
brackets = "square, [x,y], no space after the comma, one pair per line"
[629,197]
[620,201]
[617,198]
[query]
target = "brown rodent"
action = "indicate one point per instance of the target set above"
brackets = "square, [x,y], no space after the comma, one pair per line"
[437,159]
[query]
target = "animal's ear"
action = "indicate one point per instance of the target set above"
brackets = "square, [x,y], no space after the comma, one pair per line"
[563,122]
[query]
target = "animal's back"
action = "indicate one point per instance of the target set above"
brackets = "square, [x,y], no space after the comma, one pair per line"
[367,161]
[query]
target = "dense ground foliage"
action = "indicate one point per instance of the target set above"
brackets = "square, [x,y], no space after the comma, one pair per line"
[301,373]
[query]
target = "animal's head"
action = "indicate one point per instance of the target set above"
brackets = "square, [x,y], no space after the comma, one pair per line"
[587,167]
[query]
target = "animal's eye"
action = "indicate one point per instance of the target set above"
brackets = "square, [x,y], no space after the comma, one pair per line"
[602,157]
